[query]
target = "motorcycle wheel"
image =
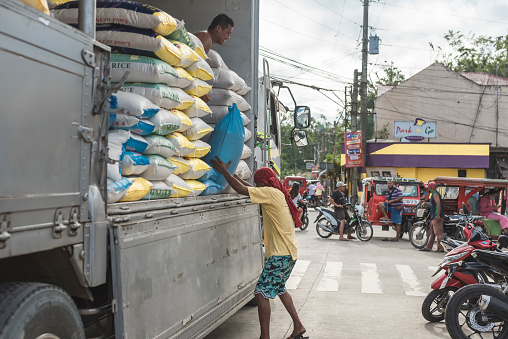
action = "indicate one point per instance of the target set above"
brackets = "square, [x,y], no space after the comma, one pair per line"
[305,223]
[321,231]
[419,235]
[364,231]
[463,316]
[434,305]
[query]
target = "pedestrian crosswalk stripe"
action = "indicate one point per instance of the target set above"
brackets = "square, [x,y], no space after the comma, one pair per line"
[331,277]
[296,275]
[433,268]
[370,279]
[412,285]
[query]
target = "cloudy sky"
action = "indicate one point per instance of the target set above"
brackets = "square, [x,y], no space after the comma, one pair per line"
[326,35]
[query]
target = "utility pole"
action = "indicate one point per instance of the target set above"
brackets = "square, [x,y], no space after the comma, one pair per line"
[363,84]
[354,128]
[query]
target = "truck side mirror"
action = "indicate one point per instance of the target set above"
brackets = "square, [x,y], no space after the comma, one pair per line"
[302,117]
[300,138]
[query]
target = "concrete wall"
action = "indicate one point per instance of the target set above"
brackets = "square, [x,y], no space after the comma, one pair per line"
[453,101]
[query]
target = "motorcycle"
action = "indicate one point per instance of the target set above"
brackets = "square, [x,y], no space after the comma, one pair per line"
[327,224]
[453,226]
[305,216]
[455,276]
[481,310]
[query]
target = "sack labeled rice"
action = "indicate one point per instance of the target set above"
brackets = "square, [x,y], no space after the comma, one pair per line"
[197,169]
[134,163]
[202,148]
[197,187]
[159,145]
[200,70]
[182,145]
[198,130]
[159,94]
[179,187]
[240,85]
[188,56]
[117,189]
[158,169]
[185,121]
[180,34]
[165,122]
[146,69]
[198,88]
[130,123]
[135,143]
[127,13]
[222,78]
[138,189]
[186,99]
[199,46]
[215,60]
[116,141]
[159,190]
[131,104]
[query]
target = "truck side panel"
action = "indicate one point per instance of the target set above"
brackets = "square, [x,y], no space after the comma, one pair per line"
[183,270]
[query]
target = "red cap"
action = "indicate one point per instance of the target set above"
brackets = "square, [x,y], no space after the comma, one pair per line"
[431,184]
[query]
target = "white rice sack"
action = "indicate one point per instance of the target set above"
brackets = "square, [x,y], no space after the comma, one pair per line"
[197,187]
[226,97]
[139,42]
[186,99]
[229,190]
[165,122]
[145,69]
[219,112]
[180,188]
[207,136]
[131,104]
[133,163]
[199,46]
[246,152]
[215,60]
[198,88]
[158,169]
[116,139]
[125,13]
[222,78]
[159,145]
[159,190]
[189,57]
[197,169]
[135,143]
[159,94]
[182,145]
[248,134]
[200,109]
[240,85]
[181,164]
[243,170]
[200,70]
[198,130]
[185,121]
[117,189]
[202,149]
[130,123]
[113,171]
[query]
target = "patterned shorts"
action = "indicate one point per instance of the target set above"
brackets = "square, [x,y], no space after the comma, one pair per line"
[272,281]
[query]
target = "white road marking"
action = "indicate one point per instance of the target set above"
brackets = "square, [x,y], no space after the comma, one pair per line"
[370,279]
[331,277]
[433,268]
[299,270]
[411,281]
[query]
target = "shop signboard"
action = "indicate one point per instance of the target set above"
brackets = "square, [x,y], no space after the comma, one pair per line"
[353,149]
[415,130]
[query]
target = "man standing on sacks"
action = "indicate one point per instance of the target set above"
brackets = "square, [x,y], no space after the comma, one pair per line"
[280,216]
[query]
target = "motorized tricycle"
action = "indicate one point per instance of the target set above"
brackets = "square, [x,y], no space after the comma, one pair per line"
[374,192]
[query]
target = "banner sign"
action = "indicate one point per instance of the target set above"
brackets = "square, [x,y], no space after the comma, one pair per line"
[415,131]
[353,149]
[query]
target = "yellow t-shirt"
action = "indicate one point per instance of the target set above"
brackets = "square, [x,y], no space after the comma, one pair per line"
[278,225]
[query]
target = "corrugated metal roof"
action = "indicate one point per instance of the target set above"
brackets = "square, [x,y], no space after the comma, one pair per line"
[485,79]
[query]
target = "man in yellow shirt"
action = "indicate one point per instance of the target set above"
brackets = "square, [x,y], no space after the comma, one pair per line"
[279,219]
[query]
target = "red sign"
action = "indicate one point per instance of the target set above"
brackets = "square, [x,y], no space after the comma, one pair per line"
[353,149]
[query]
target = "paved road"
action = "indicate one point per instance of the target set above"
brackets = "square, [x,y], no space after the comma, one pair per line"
[352,289]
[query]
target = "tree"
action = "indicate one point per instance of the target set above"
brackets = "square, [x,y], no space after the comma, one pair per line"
[472,53]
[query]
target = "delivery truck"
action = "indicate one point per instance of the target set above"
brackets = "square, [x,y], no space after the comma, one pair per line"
[74,266]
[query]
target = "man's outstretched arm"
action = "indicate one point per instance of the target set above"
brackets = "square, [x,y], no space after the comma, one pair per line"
[222,168]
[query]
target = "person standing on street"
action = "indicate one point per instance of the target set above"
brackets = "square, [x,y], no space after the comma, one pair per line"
[310,193]
[393,204]
[436,219]
[339,201]
[280,216]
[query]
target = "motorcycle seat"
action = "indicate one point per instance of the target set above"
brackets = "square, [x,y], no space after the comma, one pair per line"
[328,211]
[496,260]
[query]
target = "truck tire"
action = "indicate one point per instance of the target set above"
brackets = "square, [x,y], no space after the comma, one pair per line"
[36,310]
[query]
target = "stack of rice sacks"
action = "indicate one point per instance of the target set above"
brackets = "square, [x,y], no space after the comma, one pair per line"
[155,120]
[227,89]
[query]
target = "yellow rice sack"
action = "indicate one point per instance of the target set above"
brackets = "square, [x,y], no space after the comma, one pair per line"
[181,164]
[139,188]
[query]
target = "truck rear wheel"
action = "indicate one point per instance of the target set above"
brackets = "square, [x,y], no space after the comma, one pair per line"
[35,310]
